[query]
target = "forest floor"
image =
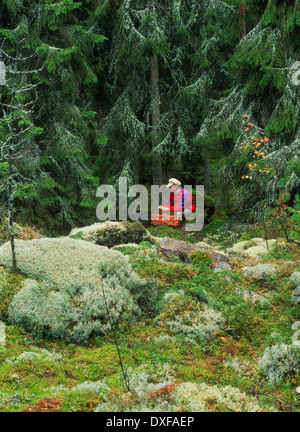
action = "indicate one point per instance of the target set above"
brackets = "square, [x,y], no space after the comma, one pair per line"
[47,375]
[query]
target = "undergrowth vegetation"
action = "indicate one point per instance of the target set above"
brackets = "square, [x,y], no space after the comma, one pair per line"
[195,343]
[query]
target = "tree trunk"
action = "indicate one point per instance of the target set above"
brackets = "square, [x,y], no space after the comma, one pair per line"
[242,12]
[155,119]
[207,176]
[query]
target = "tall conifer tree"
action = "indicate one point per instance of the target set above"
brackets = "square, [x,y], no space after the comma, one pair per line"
[67,40]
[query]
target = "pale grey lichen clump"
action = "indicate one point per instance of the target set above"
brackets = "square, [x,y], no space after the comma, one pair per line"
[260,271]
[142,380]
[97,387]
[63,297]
[111,233]
[155,388]
[37,354]
[148,378]
[279,361]
[183,315]
[202,397]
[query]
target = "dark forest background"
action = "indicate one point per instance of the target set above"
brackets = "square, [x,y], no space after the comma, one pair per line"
[203,91]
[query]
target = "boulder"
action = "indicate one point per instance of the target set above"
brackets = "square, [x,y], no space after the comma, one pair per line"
[255,251]
[260,271]
[295,278]
[222,266]
[296,295]
[203,245]
[111,233]
[254,247]
[171,247]
[250,295]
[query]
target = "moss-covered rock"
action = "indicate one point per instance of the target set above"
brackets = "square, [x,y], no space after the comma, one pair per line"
[260,271]
[295,278]
[111,233]
[171,248]
[201,256]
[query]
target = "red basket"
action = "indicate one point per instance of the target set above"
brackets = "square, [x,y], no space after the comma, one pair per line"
[169,221]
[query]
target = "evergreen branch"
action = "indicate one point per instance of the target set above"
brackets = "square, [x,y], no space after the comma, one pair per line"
[28,72]
[17,58]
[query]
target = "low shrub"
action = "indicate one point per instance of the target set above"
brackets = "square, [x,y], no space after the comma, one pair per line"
[21,232]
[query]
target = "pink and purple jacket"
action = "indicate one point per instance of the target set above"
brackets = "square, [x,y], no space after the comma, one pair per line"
[182,200]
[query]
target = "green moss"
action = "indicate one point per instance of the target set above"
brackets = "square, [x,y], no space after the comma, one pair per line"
[145,244]
[126,250]
[254,232]
[10,284]
[202,257]
[78,235]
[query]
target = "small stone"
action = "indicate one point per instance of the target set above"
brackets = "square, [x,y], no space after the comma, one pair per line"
[260,271]
[222,266]
[296,295]
[171,247]
[251,295]
[295,278]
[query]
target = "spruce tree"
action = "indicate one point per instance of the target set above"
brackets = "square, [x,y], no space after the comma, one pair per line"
[149,121]
[67,41]
[19,152]
[259,87]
